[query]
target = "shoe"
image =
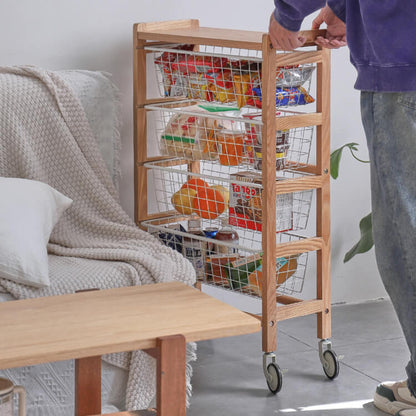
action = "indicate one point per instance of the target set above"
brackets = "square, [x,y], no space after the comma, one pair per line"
[394,397]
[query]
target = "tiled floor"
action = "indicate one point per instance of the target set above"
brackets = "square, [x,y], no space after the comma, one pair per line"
[228,376]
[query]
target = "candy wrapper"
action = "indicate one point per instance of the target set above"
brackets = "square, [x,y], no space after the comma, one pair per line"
[284,97]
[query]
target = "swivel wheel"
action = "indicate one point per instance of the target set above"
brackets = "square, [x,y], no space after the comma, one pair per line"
[274,378]
[330,364]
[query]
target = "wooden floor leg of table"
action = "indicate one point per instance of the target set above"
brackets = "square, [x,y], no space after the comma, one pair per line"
[171,379]
[88,386]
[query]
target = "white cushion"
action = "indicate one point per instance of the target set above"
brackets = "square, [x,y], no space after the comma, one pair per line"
[28,212]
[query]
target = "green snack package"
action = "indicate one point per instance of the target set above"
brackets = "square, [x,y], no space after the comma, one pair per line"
[238,271]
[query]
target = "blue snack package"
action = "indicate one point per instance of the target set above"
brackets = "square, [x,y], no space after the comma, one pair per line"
[284,97]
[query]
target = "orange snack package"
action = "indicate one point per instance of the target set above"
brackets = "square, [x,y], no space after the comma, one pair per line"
[208,203]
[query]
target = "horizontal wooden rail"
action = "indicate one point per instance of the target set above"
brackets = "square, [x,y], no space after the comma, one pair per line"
[298,58]
[294,310]
[299,184]
[298,120]
[300,246]
[287,300]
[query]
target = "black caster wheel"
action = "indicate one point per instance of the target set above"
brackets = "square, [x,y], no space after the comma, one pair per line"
[331,364]
[274,379]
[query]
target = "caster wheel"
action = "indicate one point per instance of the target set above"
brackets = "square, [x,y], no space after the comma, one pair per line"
[275,379]
[331,365]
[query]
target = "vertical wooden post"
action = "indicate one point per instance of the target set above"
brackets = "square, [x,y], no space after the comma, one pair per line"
[269,331]
[323,221]
[140,128]
[88,386]
[171,376]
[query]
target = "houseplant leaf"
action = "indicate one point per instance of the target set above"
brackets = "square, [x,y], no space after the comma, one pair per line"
[366,241]
[336,157]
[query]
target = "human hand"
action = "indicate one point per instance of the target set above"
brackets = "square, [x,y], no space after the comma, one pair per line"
[282,38]
[336,32]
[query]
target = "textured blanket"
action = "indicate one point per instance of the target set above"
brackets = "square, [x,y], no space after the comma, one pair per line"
[44,135]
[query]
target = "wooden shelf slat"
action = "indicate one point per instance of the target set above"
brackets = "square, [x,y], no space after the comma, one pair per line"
[294,310]
[190,33]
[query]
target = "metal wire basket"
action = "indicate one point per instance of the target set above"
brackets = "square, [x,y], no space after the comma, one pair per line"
[226,75]
[232,264]
[232,137]
[215,194]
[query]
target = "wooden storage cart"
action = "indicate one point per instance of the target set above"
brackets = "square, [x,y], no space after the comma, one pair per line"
[150,36]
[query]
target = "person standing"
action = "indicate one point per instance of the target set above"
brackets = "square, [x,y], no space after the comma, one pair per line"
[381,38]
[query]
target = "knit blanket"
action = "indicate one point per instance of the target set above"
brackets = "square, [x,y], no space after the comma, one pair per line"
[45,136]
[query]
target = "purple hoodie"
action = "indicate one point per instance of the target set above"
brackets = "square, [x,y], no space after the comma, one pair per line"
[381,35]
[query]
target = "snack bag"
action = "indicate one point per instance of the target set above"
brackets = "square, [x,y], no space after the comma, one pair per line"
[239,270]
[190,137]
[244,84]
[221,86]
[285,268]
[284,97]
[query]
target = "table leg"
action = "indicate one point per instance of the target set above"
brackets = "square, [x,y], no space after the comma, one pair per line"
[171,379]
[88,386]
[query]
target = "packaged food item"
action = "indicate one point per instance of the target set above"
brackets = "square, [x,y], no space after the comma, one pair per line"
[284,97]
[230,146]
[240,269]
[221,86]
[190,137]
[211,232]
[195,249]
[198,64]
[173,83]
[171,239]
[216,268]
[293,76]
[281,152]
[244,84]
[245,205]
[228,235]
[285,268]
[198,87]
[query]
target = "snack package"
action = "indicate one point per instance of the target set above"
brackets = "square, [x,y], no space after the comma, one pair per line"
[285,268]
[221,86]
[171,239]
[173,83]
[284,97]
[198,87]
[293,76]
[191,137]
[245,205]
[197,64]
[244,84]
[239,270]
[216,268]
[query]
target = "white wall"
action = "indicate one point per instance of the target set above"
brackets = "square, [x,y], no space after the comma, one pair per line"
[97,35]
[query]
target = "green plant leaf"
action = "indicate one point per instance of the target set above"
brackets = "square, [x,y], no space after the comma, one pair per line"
[366,240]
[336,158]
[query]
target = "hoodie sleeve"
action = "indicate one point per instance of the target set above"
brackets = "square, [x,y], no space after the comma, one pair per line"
[290,13]
[338,7]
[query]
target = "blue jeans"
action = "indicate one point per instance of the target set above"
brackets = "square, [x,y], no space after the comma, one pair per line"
[389,121]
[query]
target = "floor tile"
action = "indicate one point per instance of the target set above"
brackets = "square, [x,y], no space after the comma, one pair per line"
[228,376]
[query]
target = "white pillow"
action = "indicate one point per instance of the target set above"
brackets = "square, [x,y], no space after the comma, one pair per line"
[28,212]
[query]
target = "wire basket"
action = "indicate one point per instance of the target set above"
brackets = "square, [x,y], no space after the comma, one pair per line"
[226,75]
[223,133]
[229,264]
[216,195]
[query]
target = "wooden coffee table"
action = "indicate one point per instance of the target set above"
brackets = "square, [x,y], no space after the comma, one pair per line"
[159,318]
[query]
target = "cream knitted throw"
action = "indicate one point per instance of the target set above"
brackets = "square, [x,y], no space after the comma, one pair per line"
[45,135]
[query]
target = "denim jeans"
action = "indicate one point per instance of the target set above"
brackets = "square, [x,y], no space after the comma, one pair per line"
[389,121]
